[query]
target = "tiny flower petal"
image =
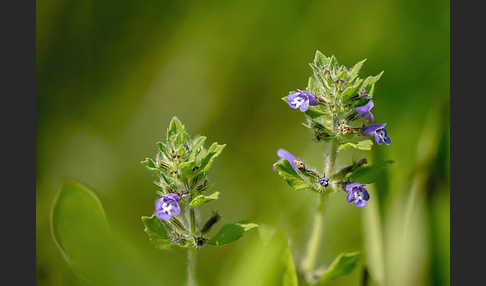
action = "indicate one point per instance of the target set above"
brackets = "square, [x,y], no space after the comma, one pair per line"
[364,111]
[351,186]
[305,106]
[360,203]
[350,197]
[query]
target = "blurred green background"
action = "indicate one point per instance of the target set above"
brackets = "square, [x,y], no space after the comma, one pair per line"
[111,74]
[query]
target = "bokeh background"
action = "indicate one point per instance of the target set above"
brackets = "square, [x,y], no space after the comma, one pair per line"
[111,74]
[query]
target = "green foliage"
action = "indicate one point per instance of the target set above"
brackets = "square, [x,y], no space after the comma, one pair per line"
[266,261]
[231,232]
[89,246]
[201,199]
[156,232]
[182,165]
[338,91]
[361,145]
[368,174]
[344,264]
[285,170]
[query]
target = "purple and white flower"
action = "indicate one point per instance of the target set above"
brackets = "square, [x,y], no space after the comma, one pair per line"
[301,100]
[323,181]
[357,194]
[379,131]
[364,111]
[167,206]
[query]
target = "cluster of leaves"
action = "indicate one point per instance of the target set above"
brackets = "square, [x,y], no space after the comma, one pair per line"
[181,166]
[338,91]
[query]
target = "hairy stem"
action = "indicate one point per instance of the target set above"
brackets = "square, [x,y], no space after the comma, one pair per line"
[308,263]
[191,267]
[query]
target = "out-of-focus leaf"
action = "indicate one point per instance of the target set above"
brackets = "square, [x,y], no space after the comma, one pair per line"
[285,170]
[95,254]
[156,232]
[266,261]
[231,232]
[368,174]
[201,199]
[344,264]
[373,240]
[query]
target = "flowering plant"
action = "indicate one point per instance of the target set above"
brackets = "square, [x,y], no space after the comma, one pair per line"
[181,166]
[337,106]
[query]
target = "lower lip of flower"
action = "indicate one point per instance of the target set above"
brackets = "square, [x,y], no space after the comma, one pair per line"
[298,101]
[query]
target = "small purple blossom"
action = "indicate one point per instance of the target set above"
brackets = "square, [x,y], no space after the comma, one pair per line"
[323,181]
[284,154]
[379,131]
[364,111]
[167,206]
[301,100]
[357,194]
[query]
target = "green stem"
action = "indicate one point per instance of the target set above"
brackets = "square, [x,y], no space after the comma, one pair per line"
[308,263]
[191,267]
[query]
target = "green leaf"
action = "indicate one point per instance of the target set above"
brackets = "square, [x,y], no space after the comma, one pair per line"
[149,163]
[201,199]
[320,59]
[198,142]
[368,174]
[212,153]
[266,262]
[361,145]
[92,250]
[351,90]
[285,170]
[186,168]
[344,264]
[231,232]
[371,80]
[312,83]
[156,232]
[175,127]
[353,73]
[162,147]
[333,63]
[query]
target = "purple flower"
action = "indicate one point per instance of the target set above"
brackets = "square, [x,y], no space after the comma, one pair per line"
[167,206]
[324,182]
[301,100]
[357,194]
[284,154]
[377,130]
[364,111]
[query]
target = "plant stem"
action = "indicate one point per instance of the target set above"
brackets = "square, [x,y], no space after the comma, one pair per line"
[191,267]
[309,260]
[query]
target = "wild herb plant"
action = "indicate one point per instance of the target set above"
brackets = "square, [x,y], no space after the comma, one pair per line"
[337,106]
[181,166]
